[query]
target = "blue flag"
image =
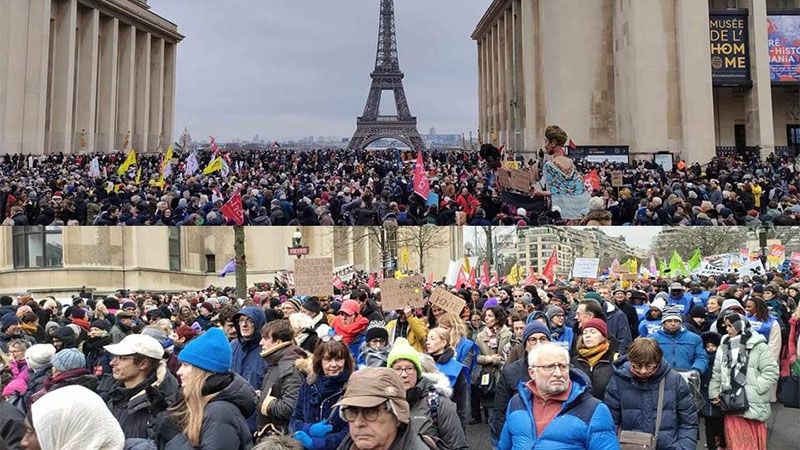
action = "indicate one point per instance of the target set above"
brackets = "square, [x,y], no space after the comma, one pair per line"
[229,268]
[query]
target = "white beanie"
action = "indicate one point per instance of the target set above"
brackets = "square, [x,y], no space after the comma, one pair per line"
[659,303]
[39,355]
[672,313]
[595,204]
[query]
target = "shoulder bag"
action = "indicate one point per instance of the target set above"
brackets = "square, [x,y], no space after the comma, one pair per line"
[636,440]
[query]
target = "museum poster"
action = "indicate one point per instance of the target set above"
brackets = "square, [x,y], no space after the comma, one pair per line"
[784,48]
[730,61]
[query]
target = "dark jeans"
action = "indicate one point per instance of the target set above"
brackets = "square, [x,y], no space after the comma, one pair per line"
[715,432]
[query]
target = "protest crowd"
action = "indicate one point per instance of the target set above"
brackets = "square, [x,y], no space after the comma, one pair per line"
[338,187]
[546,363]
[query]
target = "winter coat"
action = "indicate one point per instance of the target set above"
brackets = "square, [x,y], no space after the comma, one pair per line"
[224,425]
[315,404]
[246,353]
[583,422]
[618,327]
[762,374]
[20,378]
[434,412]
[600,374]
[710,409]
[36,382]
[416,332]
[282,380]
[683,350]
[139,409]
[510,377]
[407,438]
[597,218]
[456,375]
[12,425]
[467,354]
[80,377]
[633,404]
[118,332]
[485,358]
[98,360]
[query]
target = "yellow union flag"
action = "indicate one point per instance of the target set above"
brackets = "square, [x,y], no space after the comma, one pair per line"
[129,161]
[213,166]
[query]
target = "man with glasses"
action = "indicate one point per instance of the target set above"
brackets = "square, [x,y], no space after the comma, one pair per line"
[534,335]
[246,349]
[375,407]
[558,399]
[143,387]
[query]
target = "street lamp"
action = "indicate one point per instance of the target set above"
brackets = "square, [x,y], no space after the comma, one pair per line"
[297,249]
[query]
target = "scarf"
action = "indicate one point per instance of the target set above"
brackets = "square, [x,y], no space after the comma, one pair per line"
[738,369]
[350,332]
[593,355]
[83,323]
[29,328]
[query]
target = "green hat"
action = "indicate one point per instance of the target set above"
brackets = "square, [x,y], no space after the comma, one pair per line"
[592,296]
[403,350]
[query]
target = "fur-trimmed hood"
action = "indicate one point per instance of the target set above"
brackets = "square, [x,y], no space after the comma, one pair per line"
[437,381]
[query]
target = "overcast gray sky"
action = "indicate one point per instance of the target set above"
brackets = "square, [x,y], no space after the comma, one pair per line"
[642,237]
[292,68]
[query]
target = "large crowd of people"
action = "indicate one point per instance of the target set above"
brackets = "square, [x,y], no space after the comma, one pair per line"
[368,187]
[563,365]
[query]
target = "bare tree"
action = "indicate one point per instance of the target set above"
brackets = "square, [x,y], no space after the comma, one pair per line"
[422,240]
[497,241]
[710,241]
[383,238]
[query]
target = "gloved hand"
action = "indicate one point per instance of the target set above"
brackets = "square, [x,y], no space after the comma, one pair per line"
[320,429]
[304,439]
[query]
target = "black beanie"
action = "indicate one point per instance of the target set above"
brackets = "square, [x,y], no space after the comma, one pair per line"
[377,333]
[102,324]
[710,336]
[312,305]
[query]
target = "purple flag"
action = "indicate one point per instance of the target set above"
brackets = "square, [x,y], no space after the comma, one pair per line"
[229,268]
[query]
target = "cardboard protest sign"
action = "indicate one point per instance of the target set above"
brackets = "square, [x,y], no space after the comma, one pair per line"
[517,180]
[616,179]
[312,276]
[447,301]
[399,293]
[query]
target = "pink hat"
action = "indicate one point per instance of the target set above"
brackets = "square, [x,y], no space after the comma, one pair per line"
[350,307]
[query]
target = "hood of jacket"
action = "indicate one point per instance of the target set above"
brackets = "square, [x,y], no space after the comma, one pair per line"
[240,394]
[436,381]
[622,367]
[258,317]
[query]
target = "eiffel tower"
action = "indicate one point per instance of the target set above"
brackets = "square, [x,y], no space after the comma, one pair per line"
[386,77]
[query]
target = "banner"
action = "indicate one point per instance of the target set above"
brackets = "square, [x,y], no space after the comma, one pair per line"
[784,48]
[397,294]
[585,267]
[730,59]
[777,254]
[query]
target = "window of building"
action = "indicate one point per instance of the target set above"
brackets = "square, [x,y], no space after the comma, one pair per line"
[174,249]
[211,263]
[37,247]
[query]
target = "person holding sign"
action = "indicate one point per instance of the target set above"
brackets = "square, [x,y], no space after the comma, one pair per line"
[410,327]
[561,178]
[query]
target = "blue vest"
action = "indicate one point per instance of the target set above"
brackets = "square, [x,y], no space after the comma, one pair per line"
[699,299]
[762,327]
[641,310]
[452,369]
[649,327]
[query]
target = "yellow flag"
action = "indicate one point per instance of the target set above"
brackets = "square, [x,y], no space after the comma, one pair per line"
[405,256]
[399,274]
[138,175]
[213,166]
[512,277]
[467,267]
[164,163]
[129,161]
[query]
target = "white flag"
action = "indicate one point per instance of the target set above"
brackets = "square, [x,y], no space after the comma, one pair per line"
[225,168]
[94,168]
[191,164]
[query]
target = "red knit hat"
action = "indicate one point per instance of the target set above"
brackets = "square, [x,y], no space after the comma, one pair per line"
[597,324]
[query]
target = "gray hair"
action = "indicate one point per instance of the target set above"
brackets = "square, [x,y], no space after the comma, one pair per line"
[533,356]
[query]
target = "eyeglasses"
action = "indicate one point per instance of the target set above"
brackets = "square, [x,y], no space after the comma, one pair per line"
[644,368]
[328,338]
[405,370]
[550,368]
[244,321]
[351,413]
[541,340]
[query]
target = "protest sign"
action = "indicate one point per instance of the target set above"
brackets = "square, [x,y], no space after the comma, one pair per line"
[616,179]
[447,301]
[517,180]
[312,276]
[399,293]
[585,267]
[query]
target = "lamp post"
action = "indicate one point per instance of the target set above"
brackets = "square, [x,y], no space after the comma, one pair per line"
[297,249]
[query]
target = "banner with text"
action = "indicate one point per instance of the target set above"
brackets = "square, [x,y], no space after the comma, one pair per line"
[784,48]
[730,59]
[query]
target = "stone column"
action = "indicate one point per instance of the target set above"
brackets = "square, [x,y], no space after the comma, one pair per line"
[38,55]
[492,66]
[530,73]
[758,101]
[86,71]
[509,81]
[694,75]
[502,99]
[156,94]
[107,84]
[487,101]
[169,91]
[63,82]
[496,83]
[479,43]
[142,96]
[126,85]
[14,36]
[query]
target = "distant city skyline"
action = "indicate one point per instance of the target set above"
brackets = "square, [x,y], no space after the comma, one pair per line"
[301,68]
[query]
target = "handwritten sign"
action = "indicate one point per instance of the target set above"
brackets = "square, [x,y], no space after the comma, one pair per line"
[585,267]
[447,301]
[399,293]
[312,276]
[616,179]
[517,180]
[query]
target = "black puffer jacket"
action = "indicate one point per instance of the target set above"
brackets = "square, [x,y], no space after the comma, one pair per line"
[138,410]
[224,419]
[510,377]
[433,390]
[12,425]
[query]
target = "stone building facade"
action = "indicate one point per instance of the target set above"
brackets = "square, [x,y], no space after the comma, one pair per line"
[79,76]
[632,73]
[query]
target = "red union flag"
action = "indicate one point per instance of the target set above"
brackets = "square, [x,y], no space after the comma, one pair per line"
[461,280]
[549,271]
[233,209]
[422,186]
[337,282]
[485,274]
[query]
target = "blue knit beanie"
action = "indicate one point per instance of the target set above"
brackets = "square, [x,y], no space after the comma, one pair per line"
[210,351]
[535,327]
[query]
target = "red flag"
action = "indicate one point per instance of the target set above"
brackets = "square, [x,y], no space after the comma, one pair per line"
[461,280]
[485,274]
[532,277]
[214,148]
[473,280]
[371,281]
[572,145]
[233,209]
[592,180]
[337,282]
[549,271]
[422,186]
[430,278]
[495,281]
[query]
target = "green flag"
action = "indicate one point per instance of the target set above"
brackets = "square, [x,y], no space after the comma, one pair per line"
[662,268]
[676,265]
[694,262]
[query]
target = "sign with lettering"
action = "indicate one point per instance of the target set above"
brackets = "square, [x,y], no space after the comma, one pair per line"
[617,179]
[784,48]
[730,59]
[399,293]
[517,180]
[447,301]
[585,267]
[312,276]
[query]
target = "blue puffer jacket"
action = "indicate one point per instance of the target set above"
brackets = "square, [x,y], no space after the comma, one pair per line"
[246,354]
[315,404]
[683,350]
[583,423]
[634,403]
